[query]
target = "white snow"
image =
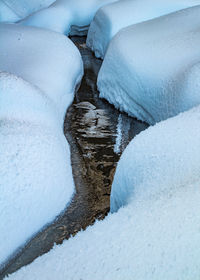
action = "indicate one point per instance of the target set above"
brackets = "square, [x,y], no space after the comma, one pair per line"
[112,18]
[14,10]
[163,157]
[46,59]
[157,235]
[39,71]
[36,181]
[151,70]
[67,16]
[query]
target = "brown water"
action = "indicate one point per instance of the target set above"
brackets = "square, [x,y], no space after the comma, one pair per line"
[97,133]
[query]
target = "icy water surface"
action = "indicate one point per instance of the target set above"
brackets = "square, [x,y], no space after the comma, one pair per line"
[97,134]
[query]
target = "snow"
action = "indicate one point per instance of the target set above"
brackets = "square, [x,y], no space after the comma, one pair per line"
[156,236]
[48,60]
[22,101]
[151,70]
[163,155]
[39,72]
[14,10]
[67,16]
[112,18]
[35,174]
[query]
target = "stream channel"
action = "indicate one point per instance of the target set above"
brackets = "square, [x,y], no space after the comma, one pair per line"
[97,134]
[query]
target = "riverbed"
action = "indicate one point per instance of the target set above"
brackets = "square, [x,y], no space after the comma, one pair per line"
[97,134]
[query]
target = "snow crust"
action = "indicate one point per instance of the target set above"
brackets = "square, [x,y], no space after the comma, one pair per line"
[112,18]
[39,71]
[14,10]
[67,16]
[156,235]
[151,70]
[48,60]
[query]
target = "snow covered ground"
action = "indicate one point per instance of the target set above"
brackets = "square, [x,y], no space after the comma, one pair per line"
[67,16]
[151,70]
[39,71]
[156,236]
[112,18]
[14,10]
[48,60]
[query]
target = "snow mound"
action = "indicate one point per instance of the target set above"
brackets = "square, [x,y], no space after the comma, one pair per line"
[14,10]
[36,181]
[112,18]
[156,236]
[39,72]
[151,70]
[22,101]
[67,16]
[158,158]
[45,59]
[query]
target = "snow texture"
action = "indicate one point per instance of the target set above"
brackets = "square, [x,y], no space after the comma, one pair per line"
[112,18]
[156,236]
[14,10]
[67,16]
[151,70]
[39,71]
[48,60]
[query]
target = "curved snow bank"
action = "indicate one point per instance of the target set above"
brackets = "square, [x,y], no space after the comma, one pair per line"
[67,16]
[46,59]
[21,101]
[112,18]
[35,174]
[157,235]
[36,184]
[151,70]
[163,157]
[14,10]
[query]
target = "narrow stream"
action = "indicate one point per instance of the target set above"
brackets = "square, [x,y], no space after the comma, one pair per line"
[98,134]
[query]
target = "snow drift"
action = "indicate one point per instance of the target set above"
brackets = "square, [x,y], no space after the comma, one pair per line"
[14,10]
[67,16]
[151,70]
[112,18]
[36,181]
[39,71]
[46,59]
[156,235]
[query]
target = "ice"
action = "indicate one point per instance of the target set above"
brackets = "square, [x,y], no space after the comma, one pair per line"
[67,16]
[112,18]
[39,73]
[151,70]
[14,10]
[156,236]
[46,59]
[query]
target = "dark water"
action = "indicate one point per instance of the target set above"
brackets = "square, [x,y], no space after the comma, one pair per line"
[97,134]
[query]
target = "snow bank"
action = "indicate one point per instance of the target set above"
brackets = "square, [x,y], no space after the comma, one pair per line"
[35,173]
[46,59]
[151,70]
[112,18]
[157,235]
[164,155]
[41,71]
[67,16]
[14,10]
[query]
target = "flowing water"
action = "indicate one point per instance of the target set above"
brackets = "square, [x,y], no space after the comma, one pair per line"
[98,134]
